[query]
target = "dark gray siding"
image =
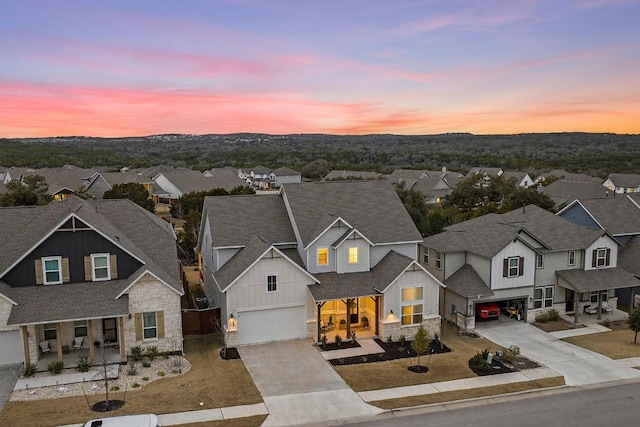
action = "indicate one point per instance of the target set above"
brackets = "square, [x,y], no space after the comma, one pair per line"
[578,215]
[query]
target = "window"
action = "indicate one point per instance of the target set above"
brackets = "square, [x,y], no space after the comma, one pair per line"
[52,268]
[80,327]
[439,260]
[543,297]
[572,258]
[425,257]
[594,296]
[411,313]
[100,267]
[601,257]
[149,325]
[514,267]
[539,261]
[323,256]
[272,283]
[353,255]
[50,331]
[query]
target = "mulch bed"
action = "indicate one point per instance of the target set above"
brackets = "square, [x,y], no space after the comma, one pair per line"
[502,366]
[392,351]
[229,353]
[333,346]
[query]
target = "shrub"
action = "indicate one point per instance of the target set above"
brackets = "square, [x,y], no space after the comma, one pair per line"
[83,364]
[401,340]
[548,316]
[132,370]
[323,341]
[338,339]
[135,385]
[55,367]
[30,369]
[146,364]
[160,373]
[145,378]
[389,340]
[514,349]
[152,353]
[114,388]
[136,353]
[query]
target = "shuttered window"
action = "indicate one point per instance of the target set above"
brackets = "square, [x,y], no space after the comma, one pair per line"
[513,267]
[601,257]
[149,325]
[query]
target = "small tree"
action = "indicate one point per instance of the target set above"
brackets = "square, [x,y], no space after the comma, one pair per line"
[421,342]
[634,323]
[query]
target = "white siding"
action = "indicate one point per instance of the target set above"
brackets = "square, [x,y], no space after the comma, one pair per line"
[602,242]
[376,253]
[530,240]
[168,186]
[342,255]
[482,266]
[325,241]
[224,255]
[451,262]
[431,291]
[553,262]
[513,249]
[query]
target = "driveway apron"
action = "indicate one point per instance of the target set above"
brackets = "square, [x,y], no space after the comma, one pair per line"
[8,376]
[578,365]
[298,386]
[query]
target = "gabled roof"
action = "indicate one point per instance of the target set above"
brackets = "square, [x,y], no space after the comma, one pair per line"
[626,180]
[284,171]
[188,180]
[485,171]
[58,179]
[488,234]
[260,170]
[629,256]
[371,207]
[407,175]
[226,178]
[467,282]
[234,220]
[569,189]
[618,214]
[427,186]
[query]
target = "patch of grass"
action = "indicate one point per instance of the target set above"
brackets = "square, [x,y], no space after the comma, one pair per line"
[442,367]
[168,395]
[449,396]
[616,344]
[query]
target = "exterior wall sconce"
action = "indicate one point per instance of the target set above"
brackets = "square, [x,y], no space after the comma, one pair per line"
[391,312]
[232,321]
[129,316]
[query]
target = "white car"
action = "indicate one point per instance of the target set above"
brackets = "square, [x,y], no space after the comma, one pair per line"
[145,420]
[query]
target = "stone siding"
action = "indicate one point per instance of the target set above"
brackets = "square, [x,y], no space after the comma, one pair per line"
[392,327]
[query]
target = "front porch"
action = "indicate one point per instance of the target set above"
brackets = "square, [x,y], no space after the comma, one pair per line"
[346,316]
[588,319]
[108,355]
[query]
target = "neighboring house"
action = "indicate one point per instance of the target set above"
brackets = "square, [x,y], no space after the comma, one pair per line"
[263,178]
[522,178]
[623,182]
[61,182]
[434,188]
[572,187]
[226,178]
[284,175]
[336,175]
[105,271]
[528,259]
[279,267]
[486,172]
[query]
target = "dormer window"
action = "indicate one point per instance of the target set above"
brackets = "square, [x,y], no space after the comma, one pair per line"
[100,267]
[601,257]
[353,255]
[52,269]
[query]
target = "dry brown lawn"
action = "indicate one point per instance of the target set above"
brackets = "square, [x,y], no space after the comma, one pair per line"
[616,344]
[211,380]
[451,396]
[557,325]
[442,367]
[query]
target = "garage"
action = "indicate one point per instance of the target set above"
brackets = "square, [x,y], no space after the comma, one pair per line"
[10,348]
[275,324]
[515,308]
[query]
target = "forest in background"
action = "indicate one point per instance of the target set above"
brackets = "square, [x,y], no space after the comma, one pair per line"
[316,154]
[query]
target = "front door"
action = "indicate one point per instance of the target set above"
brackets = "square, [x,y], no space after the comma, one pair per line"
[569,297]
[353,311]
[109,331]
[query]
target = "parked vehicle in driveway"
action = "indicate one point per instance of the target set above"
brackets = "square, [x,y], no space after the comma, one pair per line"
[144,420]
[487,310]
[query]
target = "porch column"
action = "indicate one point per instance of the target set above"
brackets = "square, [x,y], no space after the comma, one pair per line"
[92,356]
[377,308]
[25,345]
[59,341]
[349,317]
[123,355]
[599,305]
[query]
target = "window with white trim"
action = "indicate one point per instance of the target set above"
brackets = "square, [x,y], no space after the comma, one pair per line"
[539,261]
[323,256]
[50,332]
[52,270]
[594,296]
[100,267]
[543,297]
[272,283]
[601,257]
[572,258]
[425,257]
[439,260]
[80,328]
[149,325]
[514,267]
[412,306]
[353,255]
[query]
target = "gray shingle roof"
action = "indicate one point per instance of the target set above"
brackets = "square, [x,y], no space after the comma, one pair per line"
[188,180]
[616,214]
[627,180]
[239,263]
[467,283]
[371,207]
[569,189]
[234,220]
[284,171]
[368,283]
[226,178]
[599,280]
[629,255]
[345,174]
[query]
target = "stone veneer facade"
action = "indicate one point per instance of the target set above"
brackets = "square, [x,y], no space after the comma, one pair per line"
[392,327]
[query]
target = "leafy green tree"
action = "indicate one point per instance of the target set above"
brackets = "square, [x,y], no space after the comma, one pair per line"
[132,191]
[188,238]
[421,342]
[193,201]
[414,202]
[33,190]
[526,196]
[634,323]
[242,189]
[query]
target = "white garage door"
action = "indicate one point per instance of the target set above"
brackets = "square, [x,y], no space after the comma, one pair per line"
[271,325]
[10,347]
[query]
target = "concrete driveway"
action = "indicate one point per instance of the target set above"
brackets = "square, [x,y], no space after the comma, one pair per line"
[298,386]
[578,365]
[8,376]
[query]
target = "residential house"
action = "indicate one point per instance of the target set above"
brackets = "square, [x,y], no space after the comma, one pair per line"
[256,177]
[573,186]
[90,273]
[528,261]
[317,254]
[523,179]
[61,181]
[336,175]
[284,175]
[623,183]
[226,178]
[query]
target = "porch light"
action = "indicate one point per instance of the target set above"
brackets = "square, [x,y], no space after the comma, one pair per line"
[232,321]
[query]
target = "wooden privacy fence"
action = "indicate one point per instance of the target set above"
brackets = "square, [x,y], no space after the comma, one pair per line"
[200,322]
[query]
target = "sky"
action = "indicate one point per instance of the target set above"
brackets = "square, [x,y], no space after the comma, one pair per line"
[131,68]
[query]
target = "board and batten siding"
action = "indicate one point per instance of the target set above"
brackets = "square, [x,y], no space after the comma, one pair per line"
[513,249]
[451,262]
[376,253]
[552,262]
[250,291]
[482,266]
[324,241]
[224,255]
[342,255]
[602,242]
[431,291]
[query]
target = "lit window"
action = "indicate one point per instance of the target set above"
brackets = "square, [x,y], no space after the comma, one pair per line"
[50,331]
[353,255]
[411,313]
[572,257]
[52,268]
[100,267]
[539,261]
[543,297]
[323,256]
[149,325]
[272,283]
[80,328]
